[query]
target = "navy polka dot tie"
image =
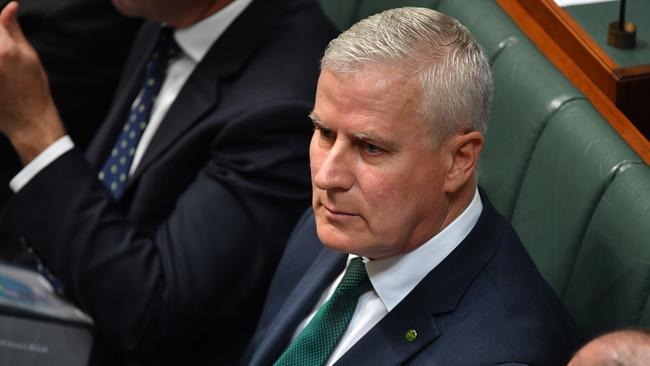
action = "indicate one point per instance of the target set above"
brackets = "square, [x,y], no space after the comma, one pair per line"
[317,341]
[115,172]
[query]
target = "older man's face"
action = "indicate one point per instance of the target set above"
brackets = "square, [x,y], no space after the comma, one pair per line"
[378,183]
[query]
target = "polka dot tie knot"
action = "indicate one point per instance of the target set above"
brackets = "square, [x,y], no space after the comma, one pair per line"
[115,171]
[317,341]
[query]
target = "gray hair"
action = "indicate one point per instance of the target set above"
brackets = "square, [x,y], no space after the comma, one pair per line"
[452,68]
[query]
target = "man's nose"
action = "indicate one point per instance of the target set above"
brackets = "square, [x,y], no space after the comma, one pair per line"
[335,170]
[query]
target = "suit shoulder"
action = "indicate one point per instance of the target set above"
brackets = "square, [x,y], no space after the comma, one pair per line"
[524,303]
[507,311]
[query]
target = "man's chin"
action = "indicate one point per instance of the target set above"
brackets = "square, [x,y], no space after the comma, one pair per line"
[338,248]
[332,238]
[336,241]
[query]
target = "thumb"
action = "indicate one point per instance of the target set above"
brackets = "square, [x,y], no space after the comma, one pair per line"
[9,20]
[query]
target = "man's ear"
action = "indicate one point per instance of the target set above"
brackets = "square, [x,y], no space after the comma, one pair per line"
[463,152]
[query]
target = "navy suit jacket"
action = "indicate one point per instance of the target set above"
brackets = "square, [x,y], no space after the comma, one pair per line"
[485,304]
[178,267]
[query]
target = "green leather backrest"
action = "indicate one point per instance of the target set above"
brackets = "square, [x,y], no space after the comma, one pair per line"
[644,320]
[610,282]
[343,13]
[573,161]
[528,90]
[491,27]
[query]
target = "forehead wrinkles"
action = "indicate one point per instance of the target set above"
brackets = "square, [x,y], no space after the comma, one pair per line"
[385,96]
[368,91]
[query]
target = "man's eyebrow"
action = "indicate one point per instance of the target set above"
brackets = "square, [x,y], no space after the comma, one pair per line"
[364,136]
[317,122]
[372,138]
[367,136]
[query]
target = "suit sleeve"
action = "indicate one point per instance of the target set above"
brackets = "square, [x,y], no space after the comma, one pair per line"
[209,261]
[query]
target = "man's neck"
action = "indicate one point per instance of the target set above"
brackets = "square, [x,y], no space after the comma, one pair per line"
[458,202]
[201,14]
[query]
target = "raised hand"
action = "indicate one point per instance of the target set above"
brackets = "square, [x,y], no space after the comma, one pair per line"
[28,116]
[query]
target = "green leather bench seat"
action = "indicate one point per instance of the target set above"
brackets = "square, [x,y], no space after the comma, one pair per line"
[528,90]
[572,164]
[610,283]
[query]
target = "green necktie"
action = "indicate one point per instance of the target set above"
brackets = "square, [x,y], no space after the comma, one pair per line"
[317,341]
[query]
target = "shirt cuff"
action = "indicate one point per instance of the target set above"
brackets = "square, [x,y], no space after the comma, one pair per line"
[60,147]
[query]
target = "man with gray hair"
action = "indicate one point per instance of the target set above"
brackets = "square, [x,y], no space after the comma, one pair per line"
[401,259]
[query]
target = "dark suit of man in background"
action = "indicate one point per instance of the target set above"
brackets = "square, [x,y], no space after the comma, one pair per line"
[401,108]
[83,45]
[176,266]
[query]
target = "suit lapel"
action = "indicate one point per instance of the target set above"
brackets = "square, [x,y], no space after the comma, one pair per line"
[200,93]
[195,99]
[387,343]
[299,303]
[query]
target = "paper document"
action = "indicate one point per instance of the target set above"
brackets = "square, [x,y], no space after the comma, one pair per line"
[579,2]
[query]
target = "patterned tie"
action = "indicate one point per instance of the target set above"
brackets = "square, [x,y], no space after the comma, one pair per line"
[317,341]
[115,171]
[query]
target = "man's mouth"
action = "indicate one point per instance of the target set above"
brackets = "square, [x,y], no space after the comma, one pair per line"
[336,211]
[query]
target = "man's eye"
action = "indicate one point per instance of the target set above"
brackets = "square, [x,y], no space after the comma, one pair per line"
[327,134]
[373,149]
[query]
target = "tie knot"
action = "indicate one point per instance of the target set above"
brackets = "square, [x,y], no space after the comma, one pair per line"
[355,280]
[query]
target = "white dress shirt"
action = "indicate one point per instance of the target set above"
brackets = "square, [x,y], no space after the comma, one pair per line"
[194,41]
[394,278]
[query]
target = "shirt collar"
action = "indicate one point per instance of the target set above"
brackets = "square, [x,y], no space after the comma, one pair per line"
[196,40]
[394,278]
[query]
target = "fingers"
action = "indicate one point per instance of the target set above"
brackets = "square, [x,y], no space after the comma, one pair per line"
[9,21]
[4,16]
[8,12]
